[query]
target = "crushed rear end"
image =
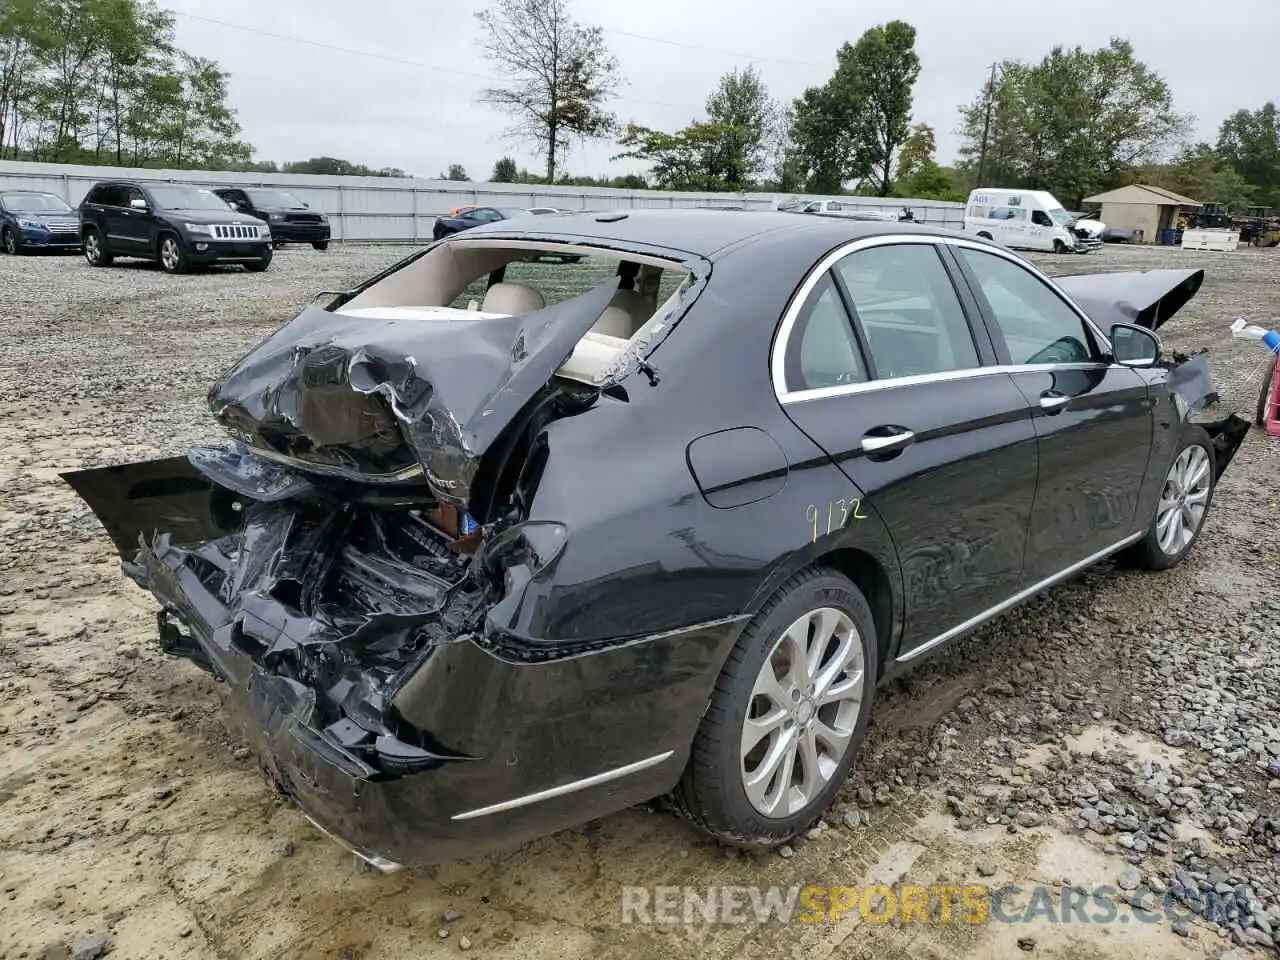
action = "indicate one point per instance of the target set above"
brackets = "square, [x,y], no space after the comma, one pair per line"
[351,565]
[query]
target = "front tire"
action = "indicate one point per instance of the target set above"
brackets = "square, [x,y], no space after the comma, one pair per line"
[321,245]
[257,266]
[787,715]
[96,253]
[9,240]
[173,256]
[1185,499]
[1059,247]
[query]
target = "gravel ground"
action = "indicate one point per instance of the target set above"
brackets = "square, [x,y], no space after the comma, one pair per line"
[1121,731]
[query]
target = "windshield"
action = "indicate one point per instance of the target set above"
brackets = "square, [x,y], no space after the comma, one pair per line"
[1060,217]
[273,198]
[34,203]
[177,197]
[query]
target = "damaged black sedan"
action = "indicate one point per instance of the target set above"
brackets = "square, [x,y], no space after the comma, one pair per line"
[484,559]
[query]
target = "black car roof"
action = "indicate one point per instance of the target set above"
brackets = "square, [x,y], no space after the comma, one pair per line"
[705,232]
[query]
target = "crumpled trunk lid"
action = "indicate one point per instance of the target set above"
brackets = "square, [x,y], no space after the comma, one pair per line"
[386,400]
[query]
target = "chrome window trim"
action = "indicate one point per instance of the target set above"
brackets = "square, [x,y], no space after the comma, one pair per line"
[777,359]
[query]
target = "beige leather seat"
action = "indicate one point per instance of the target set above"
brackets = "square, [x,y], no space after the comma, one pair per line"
[512,299]
[626,313]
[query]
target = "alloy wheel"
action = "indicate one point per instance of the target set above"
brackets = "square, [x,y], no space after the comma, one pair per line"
[10,242]
[169,253]
[92,249]
[803,710]
[1183,500]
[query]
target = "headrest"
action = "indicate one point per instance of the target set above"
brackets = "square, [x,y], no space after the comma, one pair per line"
[512,299]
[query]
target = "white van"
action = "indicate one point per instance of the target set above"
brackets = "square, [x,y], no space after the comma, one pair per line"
[1024,220]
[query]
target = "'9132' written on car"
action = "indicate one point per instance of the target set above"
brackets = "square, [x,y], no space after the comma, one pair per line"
[834,513]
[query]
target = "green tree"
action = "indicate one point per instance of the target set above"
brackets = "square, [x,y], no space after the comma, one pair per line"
[456,171]
[504,171]
[335,167]
[880,73]
[560,75]
[821,135]
[1200,172]
[919,174]
[852,127]
[1249,141]
[689,159]
[741,105]
[103,81]
[1074,123]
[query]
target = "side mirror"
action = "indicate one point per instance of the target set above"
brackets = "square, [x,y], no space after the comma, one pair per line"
[1134,346]
[137,203]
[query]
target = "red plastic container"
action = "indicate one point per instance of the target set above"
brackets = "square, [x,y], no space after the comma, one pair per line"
[1272,423]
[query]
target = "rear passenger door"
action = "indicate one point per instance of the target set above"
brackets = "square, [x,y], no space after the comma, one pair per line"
[1094,419]
[883,370]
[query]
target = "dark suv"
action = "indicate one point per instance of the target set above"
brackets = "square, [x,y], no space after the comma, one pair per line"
[180,225]
[290,220]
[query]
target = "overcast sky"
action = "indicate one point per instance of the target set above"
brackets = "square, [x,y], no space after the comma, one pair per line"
[406,97]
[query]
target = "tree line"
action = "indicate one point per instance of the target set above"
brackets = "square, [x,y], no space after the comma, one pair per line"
[103,82]
[1075,122]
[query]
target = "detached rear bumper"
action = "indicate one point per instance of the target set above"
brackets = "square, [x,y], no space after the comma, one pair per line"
[525,748]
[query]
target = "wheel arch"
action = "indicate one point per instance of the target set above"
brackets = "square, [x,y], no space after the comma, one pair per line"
[870,573]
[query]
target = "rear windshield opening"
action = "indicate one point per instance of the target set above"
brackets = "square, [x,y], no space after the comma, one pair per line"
[467,280]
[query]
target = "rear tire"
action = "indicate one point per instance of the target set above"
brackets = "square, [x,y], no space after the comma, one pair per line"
[96,253]
[321,245]
[789,729]
[9,240]
[1185,499]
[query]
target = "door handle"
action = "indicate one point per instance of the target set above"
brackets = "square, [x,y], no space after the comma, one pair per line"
[888,442]
[1051,402]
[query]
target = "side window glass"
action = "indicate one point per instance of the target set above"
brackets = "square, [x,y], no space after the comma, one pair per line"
[1037,325]
[130,194]
[822,351]
[1040,218]
[909,311]
[109,196]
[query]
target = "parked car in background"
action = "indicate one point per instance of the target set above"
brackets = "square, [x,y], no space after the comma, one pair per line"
[474,575]
[1121,235]
[475,216]
[179,225]
[840,208]
[35,220]
[290,219]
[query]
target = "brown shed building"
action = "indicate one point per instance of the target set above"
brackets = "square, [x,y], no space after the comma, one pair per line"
[1149,209]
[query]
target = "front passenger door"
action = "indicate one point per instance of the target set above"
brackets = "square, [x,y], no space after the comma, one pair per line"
[1094,419]
[133,230]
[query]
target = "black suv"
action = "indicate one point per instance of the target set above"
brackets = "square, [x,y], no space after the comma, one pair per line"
[180,225]
[290,220]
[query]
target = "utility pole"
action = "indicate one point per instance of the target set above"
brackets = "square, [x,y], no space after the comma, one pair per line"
[986,126]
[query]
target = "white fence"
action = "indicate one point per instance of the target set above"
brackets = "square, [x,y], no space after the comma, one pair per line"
[383,209]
